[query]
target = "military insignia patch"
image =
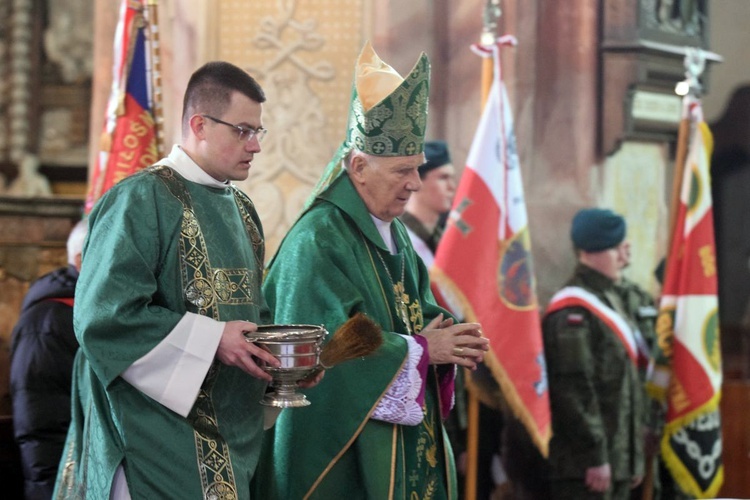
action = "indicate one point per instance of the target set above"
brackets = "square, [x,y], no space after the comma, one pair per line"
[575,319]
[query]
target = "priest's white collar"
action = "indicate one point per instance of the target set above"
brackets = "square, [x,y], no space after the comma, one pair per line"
[384,228]
[179,160]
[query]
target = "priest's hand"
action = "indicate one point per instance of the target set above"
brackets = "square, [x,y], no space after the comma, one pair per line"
[234,350]
[462,344]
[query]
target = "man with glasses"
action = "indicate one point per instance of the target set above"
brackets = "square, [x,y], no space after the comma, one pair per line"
[166,388]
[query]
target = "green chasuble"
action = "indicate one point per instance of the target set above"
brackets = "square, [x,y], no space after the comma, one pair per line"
[333,264]
[160,246]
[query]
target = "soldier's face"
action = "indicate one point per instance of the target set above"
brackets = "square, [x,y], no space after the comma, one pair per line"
[616,259]
[623,254]
[609,262]
[438,190]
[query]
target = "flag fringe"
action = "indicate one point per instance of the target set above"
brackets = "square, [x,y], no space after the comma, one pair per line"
[680,473]
[539,437]
[711,405]
[687,482]
[685,479]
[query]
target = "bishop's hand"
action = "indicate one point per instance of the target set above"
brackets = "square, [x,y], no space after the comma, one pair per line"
[461,344]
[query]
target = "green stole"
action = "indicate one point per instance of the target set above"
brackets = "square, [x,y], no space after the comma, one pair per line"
[423,478]
[201,292]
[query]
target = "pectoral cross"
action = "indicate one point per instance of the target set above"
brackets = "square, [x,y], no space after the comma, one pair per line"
[401,299]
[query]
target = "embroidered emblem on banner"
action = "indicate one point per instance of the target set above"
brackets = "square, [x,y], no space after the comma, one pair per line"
[514,277]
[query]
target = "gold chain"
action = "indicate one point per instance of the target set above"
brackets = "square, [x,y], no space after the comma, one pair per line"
[398,291]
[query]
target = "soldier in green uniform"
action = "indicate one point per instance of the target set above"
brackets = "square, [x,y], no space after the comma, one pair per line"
[592,349]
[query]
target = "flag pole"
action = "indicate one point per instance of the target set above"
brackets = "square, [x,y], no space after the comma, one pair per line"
[690,89]
[152,10]
[491,14]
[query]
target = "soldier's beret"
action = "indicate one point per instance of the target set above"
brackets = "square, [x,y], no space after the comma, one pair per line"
[436,155]
[597,229]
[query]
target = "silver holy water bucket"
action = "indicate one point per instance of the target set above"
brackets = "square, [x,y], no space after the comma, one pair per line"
[297,347]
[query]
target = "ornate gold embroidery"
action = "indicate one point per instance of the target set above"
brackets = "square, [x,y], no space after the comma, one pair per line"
[205,288]
[217,476]
[415,315]
[430,490]
[67,479]
[245,205]
[431,456]
[429,425]
[402,299]
[399,294]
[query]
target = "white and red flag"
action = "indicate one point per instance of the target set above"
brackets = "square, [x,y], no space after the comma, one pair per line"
[128,141]
[483,266]
[689,366]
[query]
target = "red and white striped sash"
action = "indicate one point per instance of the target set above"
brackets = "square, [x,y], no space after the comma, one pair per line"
[573,296]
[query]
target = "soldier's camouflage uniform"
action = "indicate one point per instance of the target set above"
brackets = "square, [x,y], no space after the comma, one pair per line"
[595,395]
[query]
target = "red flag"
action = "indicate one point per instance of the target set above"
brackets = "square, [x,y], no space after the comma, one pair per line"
[128,142]
[688,329]
[483,265]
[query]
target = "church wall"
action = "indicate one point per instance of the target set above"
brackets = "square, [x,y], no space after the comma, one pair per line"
[730,38]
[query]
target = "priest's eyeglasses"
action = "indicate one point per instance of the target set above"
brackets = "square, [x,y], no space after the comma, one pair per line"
[244,134]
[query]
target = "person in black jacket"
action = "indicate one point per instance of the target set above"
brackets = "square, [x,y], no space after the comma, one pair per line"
[43,346]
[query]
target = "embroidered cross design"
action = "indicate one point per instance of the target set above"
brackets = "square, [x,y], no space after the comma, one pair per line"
[402,298]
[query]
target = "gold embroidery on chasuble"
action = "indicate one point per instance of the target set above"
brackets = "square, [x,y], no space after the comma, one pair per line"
[423,475]
[409,312]
[423,478]
[205,288]
[421,472]
[215,466]
[68,487]
[415,315]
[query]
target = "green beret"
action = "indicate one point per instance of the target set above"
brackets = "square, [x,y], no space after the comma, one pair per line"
[436,155]
[597,229]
